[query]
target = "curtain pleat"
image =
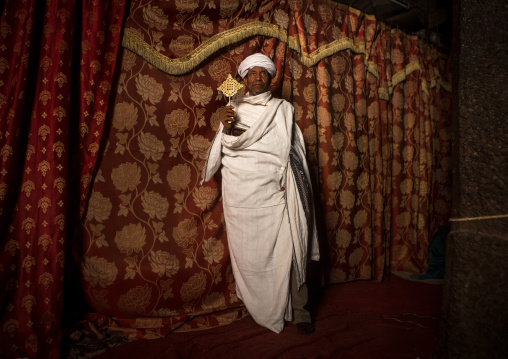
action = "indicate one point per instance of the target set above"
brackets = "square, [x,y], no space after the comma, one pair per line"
[36,71]
[102,146]
[155,256]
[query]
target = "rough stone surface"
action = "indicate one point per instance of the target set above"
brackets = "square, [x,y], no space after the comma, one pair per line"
[475,312]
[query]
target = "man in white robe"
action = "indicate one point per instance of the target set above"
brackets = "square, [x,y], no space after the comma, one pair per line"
[268,209]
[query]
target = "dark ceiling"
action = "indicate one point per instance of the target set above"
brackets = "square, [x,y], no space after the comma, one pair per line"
[429,19]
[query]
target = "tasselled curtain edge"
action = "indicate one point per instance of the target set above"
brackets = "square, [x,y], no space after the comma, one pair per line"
[192,60]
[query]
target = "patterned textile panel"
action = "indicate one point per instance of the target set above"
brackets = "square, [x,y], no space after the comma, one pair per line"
[375,115]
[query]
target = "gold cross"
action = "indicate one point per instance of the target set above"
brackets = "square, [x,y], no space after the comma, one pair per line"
[229,87]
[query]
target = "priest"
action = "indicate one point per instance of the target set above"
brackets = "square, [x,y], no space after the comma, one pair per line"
[267,200]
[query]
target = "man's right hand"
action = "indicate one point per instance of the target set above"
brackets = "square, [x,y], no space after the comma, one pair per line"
[227,117]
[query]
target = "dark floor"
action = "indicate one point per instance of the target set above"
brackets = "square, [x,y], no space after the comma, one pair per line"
[394,319]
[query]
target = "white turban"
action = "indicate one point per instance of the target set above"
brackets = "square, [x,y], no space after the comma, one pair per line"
[257,60]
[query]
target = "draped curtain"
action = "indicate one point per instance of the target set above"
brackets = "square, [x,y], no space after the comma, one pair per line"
[150,251]
[57,60]
[373,104]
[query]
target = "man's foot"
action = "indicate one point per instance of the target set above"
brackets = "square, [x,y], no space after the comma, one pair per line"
[305,328]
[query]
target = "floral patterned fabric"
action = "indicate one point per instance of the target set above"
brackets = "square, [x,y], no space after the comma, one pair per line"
[376,122]
[374,105]
[37,82]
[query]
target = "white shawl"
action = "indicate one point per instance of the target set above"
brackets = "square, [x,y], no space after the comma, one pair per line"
[266,226]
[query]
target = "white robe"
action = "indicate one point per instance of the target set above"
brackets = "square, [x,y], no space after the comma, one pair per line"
[266,226]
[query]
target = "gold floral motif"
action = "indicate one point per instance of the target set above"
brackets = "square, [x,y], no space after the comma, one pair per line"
[149,89]
[59,184]
[182,45]
[60,258]
[281,18]
[105,86]
[28,224]
[200,93]
[343,238]
[44,203]
[126,177]
[99,117]
[12,246]
[337,141]
[89,97]
[125,116]
[350,160]
[186,232]
[3,191]
[163,263]
[331,220]
[59,113]
[309,93]
[219,70]
[60,221]
[11,326]
[83,129]
[179,177]
[323,158]
[355,257]
[198,146]
[135,300]
[213,250]
[186,5]
[155,205]
[61,79]
[98,271]
[194,287]
[44,131]
[360,219]
[128,60]
[46,279]
[214,300]
[6,152]
[59,148]
[44,167]
[44,97]
[48,318]
[63,14]
[3,100]
[177,122]
[202,24]
[28,262]
[131,238]
[151,146]
[4,65]
[228,7]
[403,219]
[99,207]
[334,180]
[204,197]
[85,180]
[347,199]
[5,29]
[45,241]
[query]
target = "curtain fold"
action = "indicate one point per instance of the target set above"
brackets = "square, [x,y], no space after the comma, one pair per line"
[37,42]
[375,115]
[102,147]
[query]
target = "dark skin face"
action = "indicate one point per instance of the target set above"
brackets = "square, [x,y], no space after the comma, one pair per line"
[257,82]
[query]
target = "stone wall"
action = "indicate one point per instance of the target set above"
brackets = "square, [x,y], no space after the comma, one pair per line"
[474,320]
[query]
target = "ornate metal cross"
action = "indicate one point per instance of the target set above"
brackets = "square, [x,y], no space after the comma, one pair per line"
[230,87]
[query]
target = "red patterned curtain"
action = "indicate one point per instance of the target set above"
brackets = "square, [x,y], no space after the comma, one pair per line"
[374,107]
[151,252]
[47,87]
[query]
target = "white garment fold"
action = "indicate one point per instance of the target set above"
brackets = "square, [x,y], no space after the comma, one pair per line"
[265,222]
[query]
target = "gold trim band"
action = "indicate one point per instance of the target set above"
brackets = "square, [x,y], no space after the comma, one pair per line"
[211,45]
